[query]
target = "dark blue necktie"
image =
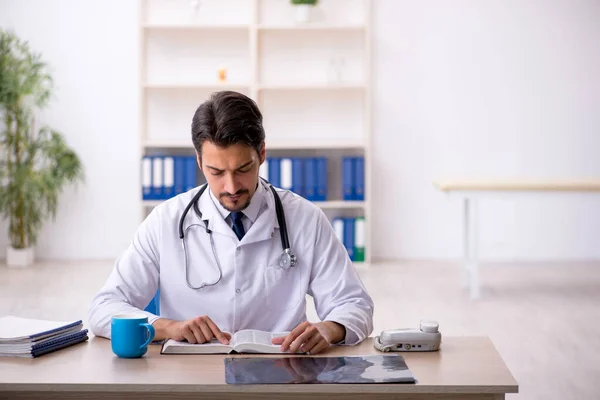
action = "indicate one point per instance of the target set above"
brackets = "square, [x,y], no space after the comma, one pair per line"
[238,227]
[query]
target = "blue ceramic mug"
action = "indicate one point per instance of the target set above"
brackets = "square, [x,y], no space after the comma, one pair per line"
[130,335]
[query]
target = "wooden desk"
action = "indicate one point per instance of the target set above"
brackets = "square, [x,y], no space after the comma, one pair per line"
[464,368]
[471,191]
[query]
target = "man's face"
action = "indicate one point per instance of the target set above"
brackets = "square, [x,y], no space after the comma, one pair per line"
[231,173]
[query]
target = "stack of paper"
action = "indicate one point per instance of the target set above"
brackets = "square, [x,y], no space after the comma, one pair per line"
[24,337]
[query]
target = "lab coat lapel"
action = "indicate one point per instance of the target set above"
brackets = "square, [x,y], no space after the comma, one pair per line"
[216,223]
[266,226]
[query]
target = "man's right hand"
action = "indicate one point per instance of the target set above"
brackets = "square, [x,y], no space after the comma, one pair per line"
[195,330]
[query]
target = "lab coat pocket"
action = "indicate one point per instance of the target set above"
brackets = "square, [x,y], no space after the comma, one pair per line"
[283,288]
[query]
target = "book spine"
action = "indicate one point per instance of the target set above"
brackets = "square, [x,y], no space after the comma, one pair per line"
[359,239]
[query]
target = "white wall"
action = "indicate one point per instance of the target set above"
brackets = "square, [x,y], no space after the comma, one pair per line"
[496,88]
[92,48]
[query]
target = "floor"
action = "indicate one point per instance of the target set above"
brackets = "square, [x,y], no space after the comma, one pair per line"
[543,318]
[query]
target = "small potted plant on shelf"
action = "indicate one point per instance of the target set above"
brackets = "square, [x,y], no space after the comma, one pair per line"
[35,164]
[303,9]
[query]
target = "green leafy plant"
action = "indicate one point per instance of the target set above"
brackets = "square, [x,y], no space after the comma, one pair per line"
[35,164]
[309,2]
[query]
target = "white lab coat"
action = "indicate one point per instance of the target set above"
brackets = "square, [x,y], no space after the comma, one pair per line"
[254,292]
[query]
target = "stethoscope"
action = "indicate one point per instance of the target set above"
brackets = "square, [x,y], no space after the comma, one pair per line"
[286,260]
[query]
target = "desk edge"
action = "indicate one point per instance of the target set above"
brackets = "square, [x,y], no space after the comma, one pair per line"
[225,388]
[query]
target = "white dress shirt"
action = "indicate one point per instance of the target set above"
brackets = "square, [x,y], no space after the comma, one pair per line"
[256,207]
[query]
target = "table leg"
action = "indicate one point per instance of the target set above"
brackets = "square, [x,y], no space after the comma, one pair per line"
[466,252]
[470,270]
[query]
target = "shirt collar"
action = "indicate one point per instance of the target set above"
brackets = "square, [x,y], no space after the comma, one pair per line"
[253,208]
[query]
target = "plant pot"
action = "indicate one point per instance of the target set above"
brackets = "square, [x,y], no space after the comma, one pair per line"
[19,258]
[303,12]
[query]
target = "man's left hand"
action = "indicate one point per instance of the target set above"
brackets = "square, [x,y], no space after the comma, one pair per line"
[311,338]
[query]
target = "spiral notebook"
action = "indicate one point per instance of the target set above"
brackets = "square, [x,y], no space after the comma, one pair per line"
[27,337]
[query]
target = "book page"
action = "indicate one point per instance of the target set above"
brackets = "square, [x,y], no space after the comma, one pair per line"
[181,347]
[279,334]
[17,328]
[252,336]
[250,340]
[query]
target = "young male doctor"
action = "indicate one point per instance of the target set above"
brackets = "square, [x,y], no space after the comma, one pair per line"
[230,271]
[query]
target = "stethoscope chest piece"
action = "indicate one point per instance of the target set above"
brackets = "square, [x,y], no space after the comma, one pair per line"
[287,260]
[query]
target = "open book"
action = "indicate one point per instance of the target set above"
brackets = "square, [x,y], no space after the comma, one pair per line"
[244,341]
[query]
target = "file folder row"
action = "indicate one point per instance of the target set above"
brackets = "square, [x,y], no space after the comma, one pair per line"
[307,176]
[166,176]
[351,232]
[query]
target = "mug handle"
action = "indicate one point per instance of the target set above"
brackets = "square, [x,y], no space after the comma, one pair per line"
[151,333]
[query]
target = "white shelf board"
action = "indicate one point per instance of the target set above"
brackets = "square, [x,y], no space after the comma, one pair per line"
[168,144]
[241,86]
[198,86]
[299,145]
[340,204]
[308,145]
[196,27]
[317,86]
[311,27]
[334,204]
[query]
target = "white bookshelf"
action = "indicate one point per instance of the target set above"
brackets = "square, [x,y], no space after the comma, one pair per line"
[311,81]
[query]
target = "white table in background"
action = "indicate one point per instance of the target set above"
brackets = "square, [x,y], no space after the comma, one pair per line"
[472,191]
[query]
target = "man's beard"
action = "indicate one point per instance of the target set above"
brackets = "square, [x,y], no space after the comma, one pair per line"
[238,207]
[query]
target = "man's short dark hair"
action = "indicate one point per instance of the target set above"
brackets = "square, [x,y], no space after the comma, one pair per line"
[228,118]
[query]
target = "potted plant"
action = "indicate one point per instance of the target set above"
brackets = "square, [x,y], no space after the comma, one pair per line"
[35,164]
[303,9]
